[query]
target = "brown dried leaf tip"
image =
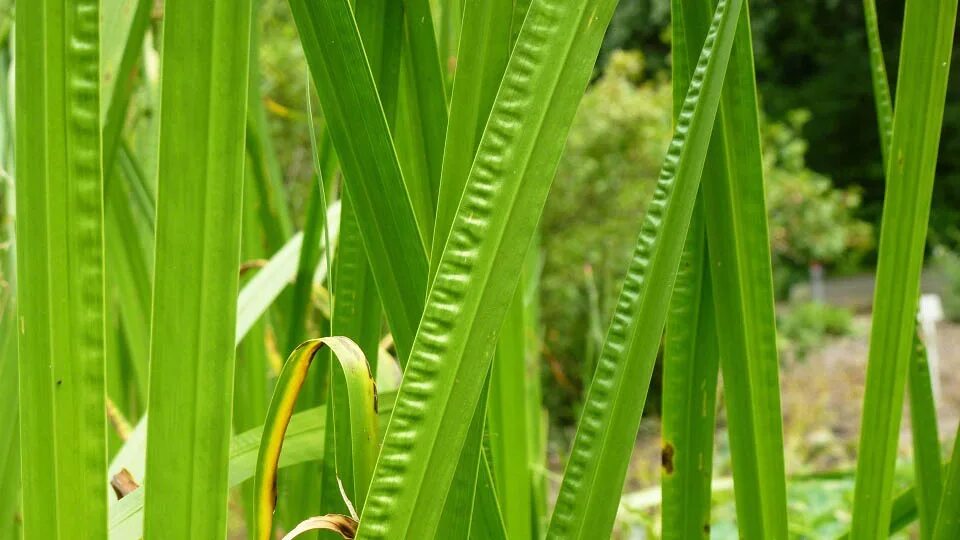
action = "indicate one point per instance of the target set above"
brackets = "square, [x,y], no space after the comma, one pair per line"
[666,457]
[343,525]
[123,483]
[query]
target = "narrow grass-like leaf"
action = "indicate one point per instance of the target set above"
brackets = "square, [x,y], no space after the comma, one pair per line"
[537,421]
[359,424]
[127,21]
[482,57]
[690,369]
[690,358]
[9,424]
[483,53]
[358,127]
[428,91]
[60,293]
[274,213]
[595,472]
[878,76]
[926,439]
[924,61]
[740,270]
[487,521]
[948,515]
[507,426]
[128,270]
[481,265]
[200,179]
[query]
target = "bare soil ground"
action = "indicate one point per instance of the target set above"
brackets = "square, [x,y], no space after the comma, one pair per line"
[821,403]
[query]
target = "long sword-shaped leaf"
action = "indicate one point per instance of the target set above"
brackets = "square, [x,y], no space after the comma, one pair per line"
[359,425]
[200,179]
[690,358]
[359,130]
[948,515]
[427,93]
[481,265]
[595,472]
[878,76]
[127,21]
[926,438]
[9,425]
[924,61]
[507,427]
[483,54]
[690,369]
[735,220]
[60,269]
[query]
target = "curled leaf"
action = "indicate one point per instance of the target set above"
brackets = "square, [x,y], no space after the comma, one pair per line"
[360,424]
[342,525]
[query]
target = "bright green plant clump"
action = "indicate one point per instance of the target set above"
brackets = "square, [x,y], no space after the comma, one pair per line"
[425,206]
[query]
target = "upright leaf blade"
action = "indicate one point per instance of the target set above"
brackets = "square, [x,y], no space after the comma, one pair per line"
[200,179]
[924,61]
[739,250]
[481,265]
[348,96]
[60,269]
[594,476]
[926,438]
[690,369]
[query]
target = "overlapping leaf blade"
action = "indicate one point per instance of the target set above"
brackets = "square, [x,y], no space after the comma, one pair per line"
[587,502]
[358,127]
[200,179]
[481,264]
[60,269]
[924,61]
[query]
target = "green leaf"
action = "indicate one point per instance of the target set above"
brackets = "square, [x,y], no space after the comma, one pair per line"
[595,472]
[427,93]
[739,254]
[509,455]
[359,424]
[948,514]
[60,269]
[9,422]
[487,521]
[391,235]
[482,57]
[127,21]
[690,357]
[878,76]
[690,369]
[200,172]
[924,60]
[926,438]
[481,265]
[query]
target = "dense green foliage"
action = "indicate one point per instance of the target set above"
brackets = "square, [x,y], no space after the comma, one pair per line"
[467,198]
